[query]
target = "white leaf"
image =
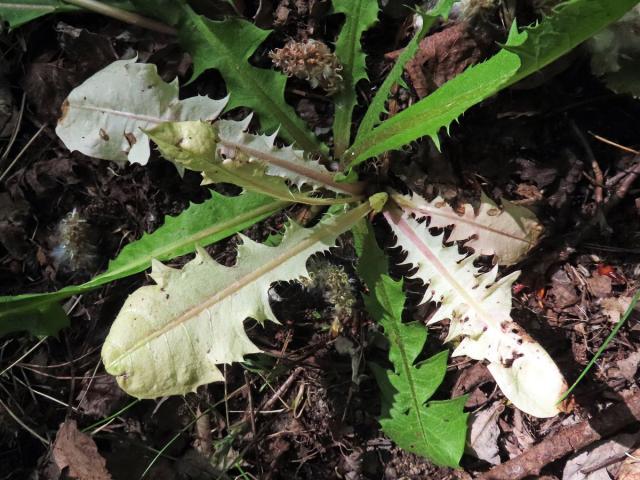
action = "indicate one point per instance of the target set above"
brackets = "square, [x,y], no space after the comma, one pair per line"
[169,337]
[484,432]
[285,162]
[479,308]
[105,115]
[584,465]
[508,232]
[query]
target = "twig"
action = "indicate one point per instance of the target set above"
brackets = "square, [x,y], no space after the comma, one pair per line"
[23,356]
[14,134]
[569,439]
[597,172]
[282,389]
[252,418]
[576,238]
[124,16]
[626,183]
[614,144]
[21,152]
[24,425]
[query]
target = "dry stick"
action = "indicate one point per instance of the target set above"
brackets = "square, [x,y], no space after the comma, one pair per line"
[252,418]
[612,202]
[597,171]
[569,439]
[621,192]
[282,389]
[14,134]
[614,144]
[124,16]
[21,152]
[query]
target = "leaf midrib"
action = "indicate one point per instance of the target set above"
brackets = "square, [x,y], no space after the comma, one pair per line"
[428,210]
[318,177]
[425,250]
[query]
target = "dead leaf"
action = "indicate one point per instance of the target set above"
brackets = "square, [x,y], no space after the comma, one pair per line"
[614,307]
[563,290]
[629,366]
[99,395]
[520,439]
[599,286]
[77,451]
[469,382]
[484,433]
[595,462]
[443,55]
[630,468]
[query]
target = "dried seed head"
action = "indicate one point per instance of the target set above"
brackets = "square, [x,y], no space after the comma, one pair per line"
[469,10]
[309,60]
[75,250]
[333,283]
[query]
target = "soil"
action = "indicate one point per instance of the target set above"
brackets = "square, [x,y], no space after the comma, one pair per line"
[532,144]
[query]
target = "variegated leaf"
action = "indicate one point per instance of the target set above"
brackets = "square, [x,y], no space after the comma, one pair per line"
[508,232]
[478,306]
[225,152]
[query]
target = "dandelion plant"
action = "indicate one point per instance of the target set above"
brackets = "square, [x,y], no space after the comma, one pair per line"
[172,336]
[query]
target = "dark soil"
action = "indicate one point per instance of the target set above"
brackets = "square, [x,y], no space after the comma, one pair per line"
[525,144]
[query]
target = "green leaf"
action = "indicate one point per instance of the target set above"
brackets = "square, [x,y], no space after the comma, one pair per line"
[377,105]
[224,152]
[524,53]
[227,47]
[19,12]
[168,338]
[200,224]
[360,16]
[437,429]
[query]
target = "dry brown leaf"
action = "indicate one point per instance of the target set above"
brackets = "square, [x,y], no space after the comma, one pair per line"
[563,290]
[630,468]
[595,463]
[78,452]
[99,395]
[614,307]
[629,366]
[599,285]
